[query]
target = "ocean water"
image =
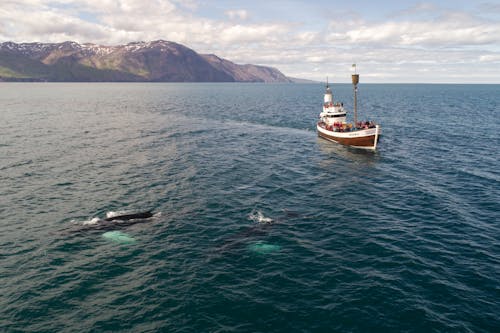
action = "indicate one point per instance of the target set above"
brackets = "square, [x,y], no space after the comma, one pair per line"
[259,225]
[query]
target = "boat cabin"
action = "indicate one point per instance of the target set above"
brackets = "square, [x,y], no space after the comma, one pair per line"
[333,112]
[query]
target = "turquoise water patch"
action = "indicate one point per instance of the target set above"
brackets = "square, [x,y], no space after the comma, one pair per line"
[264,248]
[118,237]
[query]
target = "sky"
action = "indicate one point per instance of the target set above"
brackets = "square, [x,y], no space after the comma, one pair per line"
[394,41]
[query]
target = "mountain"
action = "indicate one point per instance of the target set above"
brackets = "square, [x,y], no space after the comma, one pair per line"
[156,61]
[298,80]
[246,73]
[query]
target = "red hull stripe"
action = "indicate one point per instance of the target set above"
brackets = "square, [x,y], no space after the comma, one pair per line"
[365,141]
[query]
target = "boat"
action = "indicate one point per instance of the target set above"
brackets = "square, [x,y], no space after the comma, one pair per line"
[332,124]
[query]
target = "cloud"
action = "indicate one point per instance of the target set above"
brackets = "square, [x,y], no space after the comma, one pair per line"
[32,20]
[421,39]
[252,33]
[490,58]
[450,30]
[239,14]
[308,37]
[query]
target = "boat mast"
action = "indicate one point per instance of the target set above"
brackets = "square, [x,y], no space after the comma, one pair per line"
[355,81]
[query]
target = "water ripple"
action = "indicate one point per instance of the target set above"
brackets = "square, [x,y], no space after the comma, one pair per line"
[263,226]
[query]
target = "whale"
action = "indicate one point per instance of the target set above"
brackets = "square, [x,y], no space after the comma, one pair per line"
[130,216]
[258,230]
[118,237]
[112,222]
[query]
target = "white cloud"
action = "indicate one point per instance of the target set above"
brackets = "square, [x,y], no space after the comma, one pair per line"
[252,33]
[237,14]
[24,21]
[422,39]
[490,58]
[452,30]
[308,37]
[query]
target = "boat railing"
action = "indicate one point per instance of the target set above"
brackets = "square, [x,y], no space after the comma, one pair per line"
[333,104]
[347,127]
[365,124]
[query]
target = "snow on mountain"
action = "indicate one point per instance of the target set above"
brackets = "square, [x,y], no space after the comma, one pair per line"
[158,60]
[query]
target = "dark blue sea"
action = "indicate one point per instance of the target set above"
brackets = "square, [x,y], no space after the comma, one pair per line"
[259,225]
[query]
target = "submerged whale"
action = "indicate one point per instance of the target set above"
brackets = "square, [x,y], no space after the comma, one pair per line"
[259,229]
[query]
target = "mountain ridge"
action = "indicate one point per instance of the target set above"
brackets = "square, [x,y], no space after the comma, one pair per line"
[153,61]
